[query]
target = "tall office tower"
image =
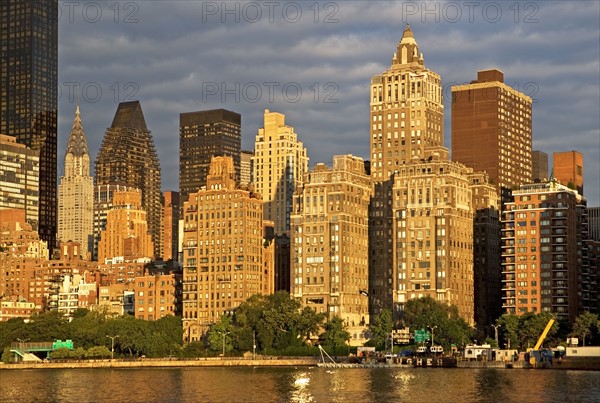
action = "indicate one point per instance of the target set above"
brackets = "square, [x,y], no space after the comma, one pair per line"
[542,233]
[246,168]
[280,162]
[594,223]
[203,135]
[128,156]
[76,192]
[540,166]
[223,249]
[487,267]
[29,92]
[19,178]
[171,225]
[330,250]
[491,130]
[568,169]
[126,232]
[407,110]
[103,197]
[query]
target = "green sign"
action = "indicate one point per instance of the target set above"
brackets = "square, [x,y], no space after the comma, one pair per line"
[62,344]
[421,336]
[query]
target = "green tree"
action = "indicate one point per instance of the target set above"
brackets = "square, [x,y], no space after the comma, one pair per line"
[531,327]
[584,325]
[335,334]
[309,322]
[509,328]
[381,329]
[426,313]
[97,352]
[6,355]
[219,336]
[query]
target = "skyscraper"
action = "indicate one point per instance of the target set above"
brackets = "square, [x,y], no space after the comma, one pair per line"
[76,192]
[330,250]
[223,249]
[280,162]
[407,111]
[128,157]
[491,130]
[29,92]
[421,212]
[568,169]
[406,114]
[203,135]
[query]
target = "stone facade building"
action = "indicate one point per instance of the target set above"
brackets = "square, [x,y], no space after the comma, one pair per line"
[223,249]
[330,251]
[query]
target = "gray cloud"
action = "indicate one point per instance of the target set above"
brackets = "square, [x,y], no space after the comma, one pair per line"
[176,49]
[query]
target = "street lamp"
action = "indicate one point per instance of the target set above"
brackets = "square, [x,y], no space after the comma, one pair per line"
[254,345]
[223,334]
[112,346]
[432,329]
[21,342]
[496,333]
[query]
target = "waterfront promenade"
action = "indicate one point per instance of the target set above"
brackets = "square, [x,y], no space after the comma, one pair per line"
[162,362]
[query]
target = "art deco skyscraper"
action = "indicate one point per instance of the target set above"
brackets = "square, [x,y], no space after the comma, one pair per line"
[280,162]
[76,191]
[421,214]
[407,111]
[128,157]
[29,92]
[491,130]
[203,135]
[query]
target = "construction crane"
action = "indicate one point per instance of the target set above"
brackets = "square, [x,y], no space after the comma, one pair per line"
[532,359]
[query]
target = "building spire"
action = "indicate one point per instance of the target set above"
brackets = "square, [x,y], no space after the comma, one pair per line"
[77,144]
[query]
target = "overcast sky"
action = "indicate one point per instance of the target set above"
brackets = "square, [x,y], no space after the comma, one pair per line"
[313,61]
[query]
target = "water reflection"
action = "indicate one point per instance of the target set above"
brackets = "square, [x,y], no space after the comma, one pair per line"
[298,385]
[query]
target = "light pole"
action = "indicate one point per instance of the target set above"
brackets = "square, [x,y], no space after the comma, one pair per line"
[496,333]
[432,329]
[223,334]
[254,345]
[21,342]
[112,346]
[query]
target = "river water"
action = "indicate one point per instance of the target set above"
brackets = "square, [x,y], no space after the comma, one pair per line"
[227,384]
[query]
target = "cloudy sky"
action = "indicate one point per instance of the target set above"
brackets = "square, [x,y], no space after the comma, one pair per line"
[313,61]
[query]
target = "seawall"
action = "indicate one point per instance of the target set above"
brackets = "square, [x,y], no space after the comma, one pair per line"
[149,363]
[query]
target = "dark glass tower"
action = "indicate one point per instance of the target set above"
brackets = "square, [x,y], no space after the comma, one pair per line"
[29,92]
[128,157]
[203,135]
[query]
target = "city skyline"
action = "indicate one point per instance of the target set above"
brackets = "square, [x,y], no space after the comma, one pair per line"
[150,60]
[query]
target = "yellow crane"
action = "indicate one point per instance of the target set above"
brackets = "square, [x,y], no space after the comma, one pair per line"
[540,341]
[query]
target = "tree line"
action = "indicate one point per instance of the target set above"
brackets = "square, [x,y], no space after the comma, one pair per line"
[277,324]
